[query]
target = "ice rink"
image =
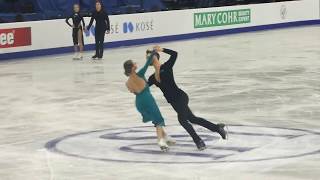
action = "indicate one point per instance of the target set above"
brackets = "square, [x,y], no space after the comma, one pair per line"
[74,120]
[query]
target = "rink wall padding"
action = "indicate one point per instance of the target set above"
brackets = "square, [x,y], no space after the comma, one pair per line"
[54,36]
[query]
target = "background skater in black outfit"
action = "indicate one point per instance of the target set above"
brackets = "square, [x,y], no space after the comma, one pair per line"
[164,79]
[102,28]
[77,33]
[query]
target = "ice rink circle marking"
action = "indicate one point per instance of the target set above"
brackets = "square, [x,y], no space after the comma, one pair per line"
[149,149]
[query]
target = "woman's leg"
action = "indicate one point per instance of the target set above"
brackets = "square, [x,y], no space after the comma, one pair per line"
[80,41]
[160,133]
[170,141]
[75,42]
[161,138]
[75,47]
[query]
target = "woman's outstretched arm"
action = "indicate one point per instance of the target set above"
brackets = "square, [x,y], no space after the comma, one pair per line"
[143,70]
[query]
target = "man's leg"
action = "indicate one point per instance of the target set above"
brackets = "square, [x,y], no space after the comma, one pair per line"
[189,128]
[207,124]
[97,44]
[203,122]
[102,43]
[181,108]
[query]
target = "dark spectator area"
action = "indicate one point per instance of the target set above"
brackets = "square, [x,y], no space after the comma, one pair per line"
[32,10]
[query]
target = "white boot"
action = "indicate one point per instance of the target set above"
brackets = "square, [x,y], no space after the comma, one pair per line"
[80,56]
[163,145]
[170,141]
[76,56]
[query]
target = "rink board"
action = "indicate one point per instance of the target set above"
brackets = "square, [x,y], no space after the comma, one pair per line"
[54,36]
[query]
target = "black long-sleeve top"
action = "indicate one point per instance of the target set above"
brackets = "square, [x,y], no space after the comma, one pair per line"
[102,20]
[76,20]
[167,83]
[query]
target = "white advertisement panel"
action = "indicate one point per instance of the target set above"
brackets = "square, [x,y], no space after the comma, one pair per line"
[56,33]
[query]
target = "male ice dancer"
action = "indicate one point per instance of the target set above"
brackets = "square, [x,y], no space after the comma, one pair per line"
[164,79]
[102,27]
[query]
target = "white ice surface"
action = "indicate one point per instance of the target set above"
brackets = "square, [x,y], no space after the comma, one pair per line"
[268,79]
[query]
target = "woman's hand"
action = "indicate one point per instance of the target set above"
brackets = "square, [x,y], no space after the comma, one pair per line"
[157,48]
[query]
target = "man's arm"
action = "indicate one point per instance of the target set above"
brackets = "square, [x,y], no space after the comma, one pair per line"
[151,80]
[107,21]
[173,57]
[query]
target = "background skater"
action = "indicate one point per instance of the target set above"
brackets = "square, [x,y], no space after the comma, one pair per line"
[102,27]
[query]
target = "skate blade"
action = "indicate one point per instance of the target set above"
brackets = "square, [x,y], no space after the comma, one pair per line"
[171,143]
[164,149]
[75,59]
[202,149]
[227,132]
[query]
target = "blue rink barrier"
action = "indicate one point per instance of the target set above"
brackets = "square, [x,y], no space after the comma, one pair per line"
[68,49]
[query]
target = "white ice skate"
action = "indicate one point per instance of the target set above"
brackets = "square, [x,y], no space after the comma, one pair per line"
[163,145]
[170,141]
[80,57]
[76,56]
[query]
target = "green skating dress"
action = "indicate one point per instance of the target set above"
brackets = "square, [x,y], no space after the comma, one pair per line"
[145,102]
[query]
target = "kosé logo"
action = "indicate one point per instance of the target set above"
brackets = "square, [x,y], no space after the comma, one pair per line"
[128,27]
[143,26]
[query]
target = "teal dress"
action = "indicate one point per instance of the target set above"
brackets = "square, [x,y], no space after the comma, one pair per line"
[145,102]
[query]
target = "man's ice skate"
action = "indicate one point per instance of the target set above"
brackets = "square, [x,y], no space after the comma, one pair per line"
[163,145]
[201,145]
[170,141]
[223,133]
[94,57]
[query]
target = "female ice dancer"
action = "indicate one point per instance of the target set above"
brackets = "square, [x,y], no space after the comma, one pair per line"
[77,33]
[102,28]
[145,103]
[164,79]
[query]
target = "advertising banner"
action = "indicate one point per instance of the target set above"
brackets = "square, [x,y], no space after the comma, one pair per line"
[15,37]
[222,18]
[28,36]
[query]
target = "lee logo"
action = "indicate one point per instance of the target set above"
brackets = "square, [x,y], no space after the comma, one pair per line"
[6,39]
[15,37]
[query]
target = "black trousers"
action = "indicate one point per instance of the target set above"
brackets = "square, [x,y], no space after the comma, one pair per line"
[186,117]
[99,37]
